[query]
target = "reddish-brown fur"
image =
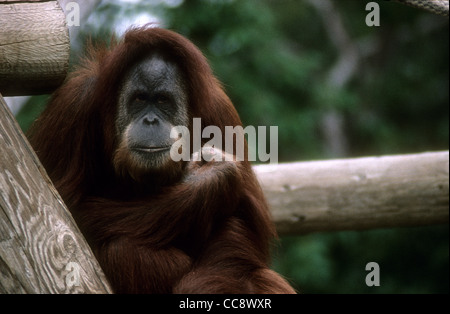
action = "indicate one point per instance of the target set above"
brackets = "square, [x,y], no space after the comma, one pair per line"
[207,233]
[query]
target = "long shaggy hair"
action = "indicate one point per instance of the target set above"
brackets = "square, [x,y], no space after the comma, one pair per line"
[208,233]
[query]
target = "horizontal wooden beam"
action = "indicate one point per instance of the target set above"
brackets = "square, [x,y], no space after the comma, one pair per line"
[356,194]
[434,6]
[34,47]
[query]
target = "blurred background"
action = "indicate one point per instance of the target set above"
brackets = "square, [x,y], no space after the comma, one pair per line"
[335,88]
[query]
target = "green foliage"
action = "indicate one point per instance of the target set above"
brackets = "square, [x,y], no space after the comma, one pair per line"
[274,57]
[31,110]
[335,262]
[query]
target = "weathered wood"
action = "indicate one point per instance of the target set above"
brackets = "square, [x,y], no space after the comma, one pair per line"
[355,194]
[34,47]
[41,248]
[434,6]
[21,1]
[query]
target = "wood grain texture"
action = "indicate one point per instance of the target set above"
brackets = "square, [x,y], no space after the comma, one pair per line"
[41,248]
[356,194]
[21,1]
[34,47]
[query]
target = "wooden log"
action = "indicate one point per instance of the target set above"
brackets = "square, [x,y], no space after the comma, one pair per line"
[41,248]
[34,47]
[434,6]
[356,194]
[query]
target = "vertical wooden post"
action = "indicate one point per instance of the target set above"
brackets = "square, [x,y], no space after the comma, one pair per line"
[41,248]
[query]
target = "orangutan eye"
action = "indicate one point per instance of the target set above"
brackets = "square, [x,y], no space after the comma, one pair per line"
[141,97]
[161,99]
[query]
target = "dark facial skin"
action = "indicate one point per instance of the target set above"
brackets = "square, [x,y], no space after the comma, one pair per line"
[152,101]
